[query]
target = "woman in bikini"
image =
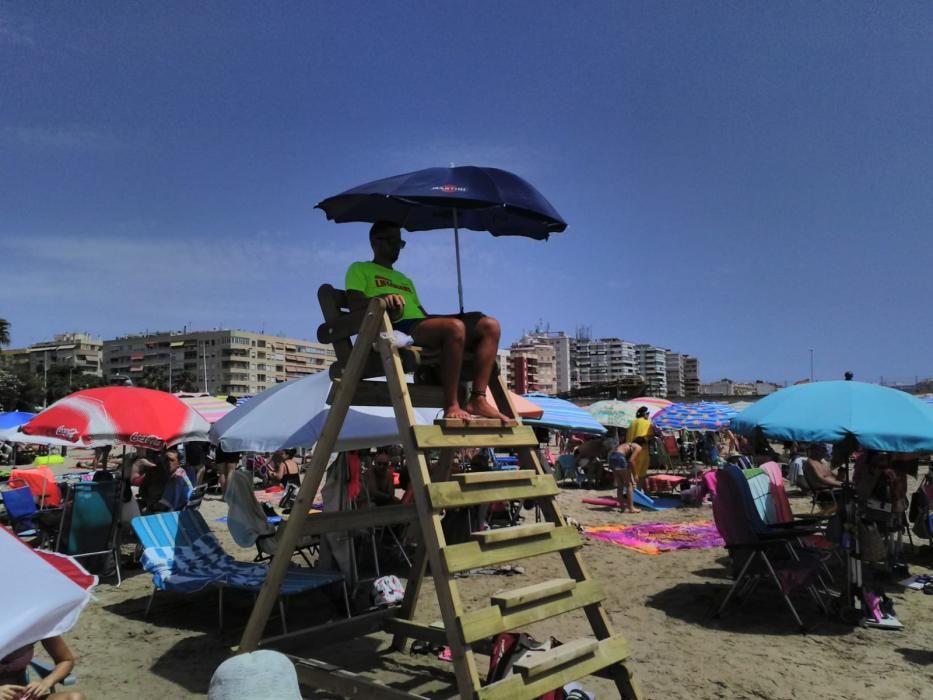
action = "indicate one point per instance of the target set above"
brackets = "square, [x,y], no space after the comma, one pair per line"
[285,469]
[620,461]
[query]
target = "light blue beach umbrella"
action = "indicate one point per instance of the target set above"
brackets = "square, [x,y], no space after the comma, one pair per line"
[563,415]
[704,415]
[292,414]
[879,417]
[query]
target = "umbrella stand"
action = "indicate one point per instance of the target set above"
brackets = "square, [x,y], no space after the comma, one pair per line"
[457,247]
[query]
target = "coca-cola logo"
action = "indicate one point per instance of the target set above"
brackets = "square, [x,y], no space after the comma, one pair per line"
[64,431]
[147,440]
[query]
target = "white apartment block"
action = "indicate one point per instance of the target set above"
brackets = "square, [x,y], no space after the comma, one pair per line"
[218,361]
[652,366]
[602,361]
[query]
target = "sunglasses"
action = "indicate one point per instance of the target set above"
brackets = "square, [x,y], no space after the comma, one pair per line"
[399,243]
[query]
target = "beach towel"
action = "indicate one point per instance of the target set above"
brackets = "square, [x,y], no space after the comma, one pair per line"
[657,538]
[781,504]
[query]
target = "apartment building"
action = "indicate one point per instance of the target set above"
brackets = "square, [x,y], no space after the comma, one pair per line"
[675,369]
[691,376]
[78,352]
[652,366]
[532,367]
[563,355]
[602,361]
[218,361]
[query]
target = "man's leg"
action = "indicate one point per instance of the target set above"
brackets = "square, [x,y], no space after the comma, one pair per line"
[483,339]
[448,334]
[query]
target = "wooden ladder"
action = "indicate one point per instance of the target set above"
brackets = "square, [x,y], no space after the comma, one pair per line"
[511,610]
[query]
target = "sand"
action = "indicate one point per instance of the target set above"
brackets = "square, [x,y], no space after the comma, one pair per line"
[661,603]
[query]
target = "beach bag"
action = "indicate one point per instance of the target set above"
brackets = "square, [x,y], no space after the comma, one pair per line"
[508,648]
[388,590]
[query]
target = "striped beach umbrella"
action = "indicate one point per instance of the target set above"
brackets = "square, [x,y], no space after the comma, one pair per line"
[211,407]
[620,414]
[705,415]
[561,414]
[120,414]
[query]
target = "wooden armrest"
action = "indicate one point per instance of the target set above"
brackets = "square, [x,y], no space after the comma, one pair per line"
[344,327]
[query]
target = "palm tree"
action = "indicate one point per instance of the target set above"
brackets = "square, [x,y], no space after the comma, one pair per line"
[4,332]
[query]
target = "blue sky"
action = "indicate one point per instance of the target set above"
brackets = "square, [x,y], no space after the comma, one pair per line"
[743,181]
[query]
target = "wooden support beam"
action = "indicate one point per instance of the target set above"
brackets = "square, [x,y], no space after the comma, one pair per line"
[372,322]
[329,633]
[320,675]
[436,634]
[359,519]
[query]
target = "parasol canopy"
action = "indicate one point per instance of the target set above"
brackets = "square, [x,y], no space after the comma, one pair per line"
[44,598]
[879,417]
[704,415]
[120,414]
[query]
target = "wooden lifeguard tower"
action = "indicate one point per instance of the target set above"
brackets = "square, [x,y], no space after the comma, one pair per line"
[374,354]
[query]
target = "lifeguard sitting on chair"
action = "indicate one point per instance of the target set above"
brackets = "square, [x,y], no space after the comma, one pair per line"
[453,335]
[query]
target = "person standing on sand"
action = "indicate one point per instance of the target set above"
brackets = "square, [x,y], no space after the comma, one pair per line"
[620,462]
[454,335]
[642,429]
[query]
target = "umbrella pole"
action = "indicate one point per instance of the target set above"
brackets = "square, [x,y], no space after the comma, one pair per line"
[457,248]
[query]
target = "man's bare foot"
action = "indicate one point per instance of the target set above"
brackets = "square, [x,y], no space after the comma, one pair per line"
[456,413]
[479,406]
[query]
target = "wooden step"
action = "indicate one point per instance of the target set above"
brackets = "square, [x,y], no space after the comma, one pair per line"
[555,668]
[487,487]
[533,593]
[516,532]
[470,478]
[517,609]
[478,422]
[471,555]
[436,436]
[539,664]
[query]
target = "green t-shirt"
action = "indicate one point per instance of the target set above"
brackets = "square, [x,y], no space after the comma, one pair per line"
[374,280]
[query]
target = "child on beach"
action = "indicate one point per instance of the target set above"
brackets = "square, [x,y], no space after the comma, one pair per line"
[13,679]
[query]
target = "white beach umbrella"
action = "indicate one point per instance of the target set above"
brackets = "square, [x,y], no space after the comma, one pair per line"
[43,598]
[292,414]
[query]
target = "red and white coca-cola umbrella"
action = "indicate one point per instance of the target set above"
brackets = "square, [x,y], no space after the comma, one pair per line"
[43,596]
[120,414]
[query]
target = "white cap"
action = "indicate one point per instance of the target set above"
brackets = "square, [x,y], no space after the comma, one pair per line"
[258,675]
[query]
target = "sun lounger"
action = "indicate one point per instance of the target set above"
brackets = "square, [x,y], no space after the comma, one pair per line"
[184,556]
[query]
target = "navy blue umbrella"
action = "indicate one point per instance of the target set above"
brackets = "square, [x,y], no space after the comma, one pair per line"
[476,198]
